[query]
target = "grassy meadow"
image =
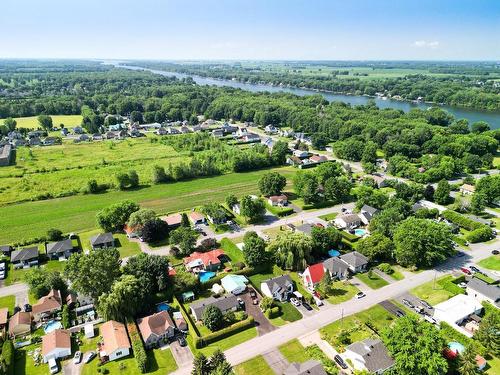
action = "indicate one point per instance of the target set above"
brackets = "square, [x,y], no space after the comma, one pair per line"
[32,121]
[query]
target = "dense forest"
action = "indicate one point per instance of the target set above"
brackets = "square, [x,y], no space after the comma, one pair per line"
[469,86]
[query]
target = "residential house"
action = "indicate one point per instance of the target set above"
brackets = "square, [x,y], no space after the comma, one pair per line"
[457,310]
[218,133]
[367,213]
[235,284]
[50,141]
[56,344]
[35,141]
[347,221]
[317,159]
[251,137]
[379,180]
[20,324]
[84,138]
[180,322]
[102,241]
[294,161]
[132,232]
[467,189]
[97,137]
[64,132]
[226,303]
[24,258]
[184,130]
[241,131]
[6,250]
[369,355]
[196,218]
[47,305]
[312,275]
[482,291]
[310,367]
[161,131]
[301,154]
[236,208]
[271,129]
[337,268]
[268,142]
[59,249]
[278,200]
[286,133]
[115,341]
[357,262]
[279,288]
[173,220]
[78,130]
[5,155]
[154,125]
[156,329]
[209,261]
[229,129]
[4,317]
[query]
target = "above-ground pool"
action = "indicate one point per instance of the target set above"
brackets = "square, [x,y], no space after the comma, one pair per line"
[360,232]
[456,347]
[205,276]
[52,326]
[163,306]
[333,253]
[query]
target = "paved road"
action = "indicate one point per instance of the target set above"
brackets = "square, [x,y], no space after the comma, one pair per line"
[331,313]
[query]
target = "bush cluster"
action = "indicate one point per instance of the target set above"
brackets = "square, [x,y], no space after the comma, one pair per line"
[137,346]
[461,220]
[484,233]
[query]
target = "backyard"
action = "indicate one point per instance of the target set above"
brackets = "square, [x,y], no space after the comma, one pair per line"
[122,243]
[9,302]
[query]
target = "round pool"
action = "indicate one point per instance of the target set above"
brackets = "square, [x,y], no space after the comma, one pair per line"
[334,253]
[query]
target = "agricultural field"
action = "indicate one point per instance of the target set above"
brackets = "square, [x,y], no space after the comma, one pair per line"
[32,121]
[77,213]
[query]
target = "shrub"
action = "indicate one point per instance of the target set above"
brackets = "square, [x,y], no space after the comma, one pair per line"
[54,234]
[273,312]
[481,234]
[386,268]
[139,352]
[212,318]
[451,285]
[200,342]
[7,357]
[461,220]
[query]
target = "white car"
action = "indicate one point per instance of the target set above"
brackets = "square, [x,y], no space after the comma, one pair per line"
[53,366]
[77,358]
[430,319]
[462,285]
[295,301]
[360,295]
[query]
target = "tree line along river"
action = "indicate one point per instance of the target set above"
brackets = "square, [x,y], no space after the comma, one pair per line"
[472,115]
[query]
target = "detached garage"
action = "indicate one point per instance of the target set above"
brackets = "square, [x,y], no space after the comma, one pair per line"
[235,284]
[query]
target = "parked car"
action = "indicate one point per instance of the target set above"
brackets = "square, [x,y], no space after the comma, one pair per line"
[252,293]
[241,302]
[475,269]
[255,301]
[360,295]
[182,341]
[53,366]
[426,304]
[77,358]
[307,306]
[462,285]
[466,270]
[27,307]
[495,252]
[89,357]
[340,361]
[430,319]
[419,309]
[295,301]
[2,266]
[407,303]
[317,295]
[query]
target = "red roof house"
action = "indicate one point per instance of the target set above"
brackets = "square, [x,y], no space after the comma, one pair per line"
[204,261]
[313,275]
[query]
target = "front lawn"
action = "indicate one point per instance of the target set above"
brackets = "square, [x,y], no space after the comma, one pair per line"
[9,302]
[293,351]
[491,263]
[432,292]
[374,281]
[257,365]
[329,217]
[229,342]
[341,292]
[288,313]
[161,362]
[122,243]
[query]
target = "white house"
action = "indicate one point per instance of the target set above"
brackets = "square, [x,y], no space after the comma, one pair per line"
[300,154]
[482,291]
[278,288]
[467,189]
[115,340]
[456,310]
[56,344]
[369,355]
[278,200]
[348,221]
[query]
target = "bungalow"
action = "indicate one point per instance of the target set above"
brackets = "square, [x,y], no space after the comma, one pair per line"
[50,141]
[235,284]
[35,141]
[456,310]
[173,131]
[6,250]
[251,137]
[161,131]
[77,130]
[156,329]
[132,232]
[312,275]
[369,355]
[226,303]
[268,142]
[83,138]
[379,180]
[97,137]
[301,154]
[196,218]
[241,131]
[357,262]
[483,291]
[337,268]
[467,189]
[310,367]
[184,130]
[102,241]
[209,261]
[279,288]
[278,200]
[20,324]
[294,161]
[24,258]
[229,129]
[348,221]
[217,133]
[318,159]
[367,213]
[47,305]
[271,129]
[60,249]
[173,220]
[56,344]
[115,342]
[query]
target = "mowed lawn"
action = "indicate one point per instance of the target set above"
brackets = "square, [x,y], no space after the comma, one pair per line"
[293,351]
[257,365]
[77,213]
[491,263]
[32,121]
[432,292]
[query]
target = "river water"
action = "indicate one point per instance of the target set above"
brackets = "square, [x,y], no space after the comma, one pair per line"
[473,115]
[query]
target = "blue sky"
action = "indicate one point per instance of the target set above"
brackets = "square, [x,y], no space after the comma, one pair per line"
[257,29]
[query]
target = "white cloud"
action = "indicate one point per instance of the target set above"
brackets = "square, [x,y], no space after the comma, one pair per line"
[426,44]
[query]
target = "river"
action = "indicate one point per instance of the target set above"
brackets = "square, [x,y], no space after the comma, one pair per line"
[472,115]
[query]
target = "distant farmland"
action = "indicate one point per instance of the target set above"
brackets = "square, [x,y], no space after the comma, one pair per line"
[32,121]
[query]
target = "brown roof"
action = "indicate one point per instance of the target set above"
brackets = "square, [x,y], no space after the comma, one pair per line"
[59,338]
[20,318]
[157,323]
[174,219]
[50,302]
[4,314]
[114,336]
[278,198]
[195,216]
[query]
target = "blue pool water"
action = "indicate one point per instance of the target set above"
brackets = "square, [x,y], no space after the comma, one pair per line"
[456,347]
[206,275]
[334,253]
[52,326]
[360,232]
[163,307]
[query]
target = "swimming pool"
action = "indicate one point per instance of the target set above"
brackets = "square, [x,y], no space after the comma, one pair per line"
[205,276]
[334,253]
[52,326]
[456,347]
[360,232]
[163,306]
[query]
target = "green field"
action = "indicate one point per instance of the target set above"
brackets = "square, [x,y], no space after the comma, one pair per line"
[257,365]
[77,213]
[293,351]
[32,121]
[491,263]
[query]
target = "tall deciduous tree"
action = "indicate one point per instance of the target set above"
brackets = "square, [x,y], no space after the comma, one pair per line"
[185,238]
[45,122]
[252,209]
[272,183]
[488,331]
[324,239]
[442,193]
[212,318]
[292,251]
[123,301]
[468,363]
[255,252]
[376,247]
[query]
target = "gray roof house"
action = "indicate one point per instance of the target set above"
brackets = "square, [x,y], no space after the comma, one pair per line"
[482,291]
[337,268]
[367,213]
[369,355]
[279,287]
[310,367]
[26,257]
[228,302]
[5,249]
[56,250]
[102,241]
[357,262]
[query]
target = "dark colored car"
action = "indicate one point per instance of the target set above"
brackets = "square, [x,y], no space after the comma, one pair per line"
[27,307]
[252,293]
[182,341]
[340,361]
[495,252]
[89,357]
[307,306]
[475,269]
[399,313]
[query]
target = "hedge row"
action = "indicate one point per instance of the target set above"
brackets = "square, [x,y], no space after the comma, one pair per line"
[7,357]
[279,211]
[349,237]
[484,233]
[461,220]
[451,285]
[138,347]
[200,342]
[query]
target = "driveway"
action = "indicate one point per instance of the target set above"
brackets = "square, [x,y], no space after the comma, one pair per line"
[71,369]
[182,355]
[415,301]
[263,325]
[276,361]
[391,307]
[304,311]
